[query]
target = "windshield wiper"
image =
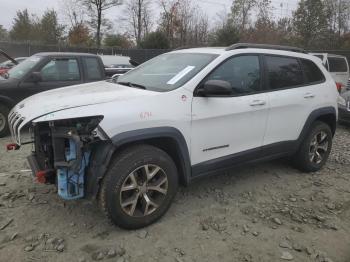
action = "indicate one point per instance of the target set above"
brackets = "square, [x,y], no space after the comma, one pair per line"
[132,85]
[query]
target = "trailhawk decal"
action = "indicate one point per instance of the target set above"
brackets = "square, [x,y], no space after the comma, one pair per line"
[215,148]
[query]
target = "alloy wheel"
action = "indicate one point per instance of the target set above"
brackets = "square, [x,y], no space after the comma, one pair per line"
[143,190]
[318,147]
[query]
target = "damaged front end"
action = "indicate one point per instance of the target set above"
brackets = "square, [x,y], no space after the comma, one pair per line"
[62,152]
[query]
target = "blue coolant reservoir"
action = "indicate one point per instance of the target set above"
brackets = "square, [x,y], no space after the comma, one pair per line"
[70,182]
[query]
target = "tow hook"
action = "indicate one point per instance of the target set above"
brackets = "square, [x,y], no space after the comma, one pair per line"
[44,176]
[13,146]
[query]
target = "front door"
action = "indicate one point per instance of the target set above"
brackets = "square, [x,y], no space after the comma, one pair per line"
[57,72]
[232,125]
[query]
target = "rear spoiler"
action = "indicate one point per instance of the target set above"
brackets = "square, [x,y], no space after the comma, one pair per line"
[8,57]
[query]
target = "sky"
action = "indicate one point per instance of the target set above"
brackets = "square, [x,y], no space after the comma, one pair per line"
[211,7]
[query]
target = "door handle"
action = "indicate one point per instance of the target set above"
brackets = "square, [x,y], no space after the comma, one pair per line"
[309,95]
[258,103]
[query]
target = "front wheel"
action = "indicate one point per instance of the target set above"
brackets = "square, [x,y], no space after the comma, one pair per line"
[4,128]
[315,148]
[139,186]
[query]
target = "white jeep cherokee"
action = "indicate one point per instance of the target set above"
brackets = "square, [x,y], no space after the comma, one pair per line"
[178,117]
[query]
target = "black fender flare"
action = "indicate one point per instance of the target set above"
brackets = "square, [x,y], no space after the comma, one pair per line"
[103,152]
[316,114]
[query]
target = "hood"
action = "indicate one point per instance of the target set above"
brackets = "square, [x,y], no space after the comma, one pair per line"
[74,96]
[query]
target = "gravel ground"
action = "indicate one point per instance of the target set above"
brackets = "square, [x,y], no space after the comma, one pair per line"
[266,212]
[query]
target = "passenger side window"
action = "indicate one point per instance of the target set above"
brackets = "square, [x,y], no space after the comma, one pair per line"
[61,69]
[337,64]
[243,74]
[283,72]
[312,72]
[92,68]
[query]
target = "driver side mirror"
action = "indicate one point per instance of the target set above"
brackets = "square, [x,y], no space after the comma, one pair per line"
[35,77]
[215,88]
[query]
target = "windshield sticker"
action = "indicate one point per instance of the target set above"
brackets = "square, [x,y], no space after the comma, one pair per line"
[180,75]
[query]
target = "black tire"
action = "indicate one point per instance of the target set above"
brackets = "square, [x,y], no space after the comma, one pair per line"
[4,127]
[120,169]
[302,159]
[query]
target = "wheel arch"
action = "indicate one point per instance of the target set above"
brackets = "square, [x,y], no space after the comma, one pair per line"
[327,115]
[168,139]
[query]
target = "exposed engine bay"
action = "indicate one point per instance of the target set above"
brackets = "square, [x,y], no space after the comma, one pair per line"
[61,153]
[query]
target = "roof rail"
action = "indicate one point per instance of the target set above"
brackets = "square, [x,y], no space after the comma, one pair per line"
[265,46]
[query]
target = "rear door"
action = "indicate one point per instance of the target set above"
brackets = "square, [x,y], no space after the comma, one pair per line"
[293,86]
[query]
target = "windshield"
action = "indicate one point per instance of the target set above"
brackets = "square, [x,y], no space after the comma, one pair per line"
[167,72]
[24,67]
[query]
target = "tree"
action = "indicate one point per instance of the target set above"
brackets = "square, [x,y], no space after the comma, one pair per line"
[183,23]
[96,10]
[240,12]
[117,40]
[79,35]
[74,12]
[155,40]
[225,35]
[310,23]
[3,33]
[139,16]
[338,14]
[22,28]
[168,19]
[50,31]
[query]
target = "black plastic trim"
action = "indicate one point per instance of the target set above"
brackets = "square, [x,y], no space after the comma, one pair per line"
[157,133]
[102,153]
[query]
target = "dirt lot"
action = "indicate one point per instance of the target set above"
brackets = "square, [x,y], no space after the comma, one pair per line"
[266,212]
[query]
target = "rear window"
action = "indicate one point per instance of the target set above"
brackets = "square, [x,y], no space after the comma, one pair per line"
[337,64]
[283,72]
[312,72]
[92,68]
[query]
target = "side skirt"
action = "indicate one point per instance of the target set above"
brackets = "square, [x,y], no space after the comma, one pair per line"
[261,154]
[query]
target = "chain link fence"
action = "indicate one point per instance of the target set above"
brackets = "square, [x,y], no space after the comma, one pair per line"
[19,49]
[27,49]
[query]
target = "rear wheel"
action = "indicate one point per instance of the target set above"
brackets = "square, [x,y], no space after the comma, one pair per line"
[139,186]
[4,128]
[315,148]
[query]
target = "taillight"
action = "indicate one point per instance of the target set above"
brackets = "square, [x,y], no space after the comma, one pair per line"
[339,86]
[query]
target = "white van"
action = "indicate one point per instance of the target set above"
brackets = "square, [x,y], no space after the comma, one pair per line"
[338,67]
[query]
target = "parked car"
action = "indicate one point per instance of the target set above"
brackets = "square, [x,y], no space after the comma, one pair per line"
[344,107]
[338,67]
[116,65]
[45,71]
[7,65]
[176,118]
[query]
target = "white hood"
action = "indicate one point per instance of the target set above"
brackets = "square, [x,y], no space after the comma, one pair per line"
[69,97]
[75,96]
